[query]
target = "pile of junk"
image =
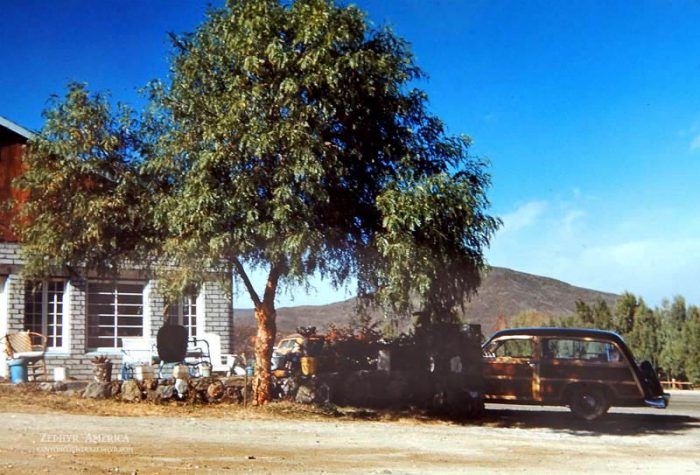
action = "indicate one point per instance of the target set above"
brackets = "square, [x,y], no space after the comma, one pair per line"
[434,367]
[295,359]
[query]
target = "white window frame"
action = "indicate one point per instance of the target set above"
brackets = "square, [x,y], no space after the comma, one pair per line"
[116,347]
[4,283]
[184,318]
[47,315]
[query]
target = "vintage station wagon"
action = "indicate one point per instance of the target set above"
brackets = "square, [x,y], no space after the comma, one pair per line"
[587,370]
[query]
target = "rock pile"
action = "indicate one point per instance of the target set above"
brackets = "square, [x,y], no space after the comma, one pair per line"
[202,390]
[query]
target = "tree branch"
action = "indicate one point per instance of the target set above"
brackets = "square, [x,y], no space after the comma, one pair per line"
[271,284]
[246,281]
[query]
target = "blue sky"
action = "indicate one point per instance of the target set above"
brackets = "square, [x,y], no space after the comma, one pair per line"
[588,111]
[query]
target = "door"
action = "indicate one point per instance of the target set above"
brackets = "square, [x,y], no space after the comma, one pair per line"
[509,369]
[588,361]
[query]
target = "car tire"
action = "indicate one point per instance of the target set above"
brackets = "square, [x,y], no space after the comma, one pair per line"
[588,403]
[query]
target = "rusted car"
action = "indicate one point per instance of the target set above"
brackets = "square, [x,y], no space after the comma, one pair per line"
[587,370]
[287,355]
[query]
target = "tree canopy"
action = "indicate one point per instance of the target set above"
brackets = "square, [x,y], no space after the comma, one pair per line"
[299,144]
[300,147]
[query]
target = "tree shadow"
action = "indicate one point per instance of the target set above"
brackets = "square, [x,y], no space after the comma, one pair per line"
[624,424]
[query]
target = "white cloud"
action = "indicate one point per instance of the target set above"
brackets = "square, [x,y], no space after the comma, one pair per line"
[695,144]
[526,215]
[570,218]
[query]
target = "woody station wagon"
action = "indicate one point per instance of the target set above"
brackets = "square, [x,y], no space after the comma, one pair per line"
[587,370]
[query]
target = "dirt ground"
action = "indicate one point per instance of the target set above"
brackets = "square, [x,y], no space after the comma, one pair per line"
[56,436]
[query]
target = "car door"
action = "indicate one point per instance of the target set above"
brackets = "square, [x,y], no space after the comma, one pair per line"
[584,361]
[509,369]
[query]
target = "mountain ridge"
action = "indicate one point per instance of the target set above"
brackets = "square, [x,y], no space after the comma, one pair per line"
[503,293]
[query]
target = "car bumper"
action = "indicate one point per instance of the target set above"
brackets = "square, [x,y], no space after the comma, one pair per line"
[660,402]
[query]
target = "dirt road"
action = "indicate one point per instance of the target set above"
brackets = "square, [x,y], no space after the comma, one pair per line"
[507,440]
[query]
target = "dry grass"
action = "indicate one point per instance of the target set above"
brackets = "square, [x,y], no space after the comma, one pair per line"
[29,399]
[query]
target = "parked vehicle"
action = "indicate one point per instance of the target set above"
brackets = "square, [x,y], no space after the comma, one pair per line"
[587,370]
[286,356]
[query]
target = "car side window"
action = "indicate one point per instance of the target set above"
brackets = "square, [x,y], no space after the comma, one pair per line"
[512,348]
[587,350]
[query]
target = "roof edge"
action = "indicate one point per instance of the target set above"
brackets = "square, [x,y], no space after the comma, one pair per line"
[16,128]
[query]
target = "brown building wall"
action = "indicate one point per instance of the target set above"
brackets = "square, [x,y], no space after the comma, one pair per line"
[10,167]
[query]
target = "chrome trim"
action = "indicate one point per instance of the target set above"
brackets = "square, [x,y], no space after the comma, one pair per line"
[660,402]
[597,381]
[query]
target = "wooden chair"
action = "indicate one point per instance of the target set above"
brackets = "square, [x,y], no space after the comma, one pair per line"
[21,345]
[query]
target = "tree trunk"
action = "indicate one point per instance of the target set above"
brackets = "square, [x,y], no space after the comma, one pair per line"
[265,315]
[267,329]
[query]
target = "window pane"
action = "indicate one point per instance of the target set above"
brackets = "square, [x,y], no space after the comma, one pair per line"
[185,314]
[43,309]
[515,348]
[114,310]
[590,350]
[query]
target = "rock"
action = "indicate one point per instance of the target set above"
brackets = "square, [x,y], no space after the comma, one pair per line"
[48,387]
[115,389]
[97,390]
[305,395]
[288,387]
[234,394]
[152,395]
[131,391]
[201,384]
[166,392]
[181,387]
[323,394]
[60,386]
[215,391]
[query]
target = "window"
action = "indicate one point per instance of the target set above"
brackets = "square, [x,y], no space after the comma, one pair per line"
[512,348]
[185,314]
[114,310]
[591,350]
[43,309]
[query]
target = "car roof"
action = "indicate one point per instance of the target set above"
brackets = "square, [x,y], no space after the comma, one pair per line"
[550,331]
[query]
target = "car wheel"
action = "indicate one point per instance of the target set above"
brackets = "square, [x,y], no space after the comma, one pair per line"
[588,403]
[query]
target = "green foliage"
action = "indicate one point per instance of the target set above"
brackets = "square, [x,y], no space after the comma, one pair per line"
[586,316]
[88,203]
[531,318]
[691,365]
[674,346]
[644,338]
[625,309]
[300,147]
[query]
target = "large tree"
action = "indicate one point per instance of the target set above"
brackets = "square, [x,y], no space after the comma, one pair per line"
[296,144]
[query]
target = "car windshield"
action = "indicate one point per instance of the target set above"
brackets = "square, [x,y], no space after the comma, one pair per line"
[285,344]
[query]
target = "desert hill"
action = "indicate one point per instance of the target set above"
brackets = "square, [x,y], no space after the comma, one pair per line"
[503,292]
